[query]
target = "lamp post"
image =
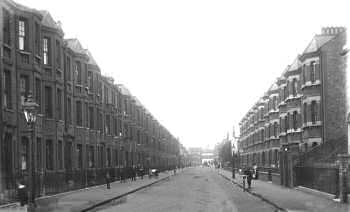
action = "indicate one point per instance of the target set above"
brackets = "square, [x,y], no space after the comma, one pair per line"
[30,112]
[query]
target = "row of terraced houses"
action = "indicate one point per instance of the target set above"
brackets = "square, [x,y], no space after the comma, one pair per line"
[87,124]
[301,119]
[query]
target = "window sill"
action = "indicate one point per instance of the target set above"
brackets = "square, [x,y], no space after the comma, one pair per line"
[310,84]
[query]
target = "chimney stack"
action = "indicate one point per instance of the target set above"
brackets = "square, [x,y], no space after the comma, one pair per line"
[332,30]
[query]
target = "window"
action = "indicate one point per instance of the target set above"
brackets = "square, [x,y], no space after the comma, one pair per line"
[275,128]
[295,87]
[285,92]
[91,117]
[7,91]
[58,54]
[312,71]
[38,93]
[116,157]
[91,157]
[295,120]
[46,50]
[78,72]
[48,102]
[305,113]
[87,115]
[37,39]
[314,117]
[262,135]
[90,81]
[69,111]
[68,155]
[59,155]
[7,154]
[24,87]
[304,73]
[49,155]
[68,71]
[24,151]
[286,124]
[22,34]
[108,125]
[80,156]
[106,95]
[59,104]
[39,155]
[79,120]
[6,27]
[274,101]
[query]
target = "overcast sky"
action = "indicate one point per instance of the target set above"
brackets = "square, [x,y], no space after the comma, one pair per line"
[198,66]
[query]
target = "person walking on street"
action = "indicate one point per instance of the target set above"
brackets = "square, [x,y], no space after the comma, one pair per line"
[249,178]
[108,180]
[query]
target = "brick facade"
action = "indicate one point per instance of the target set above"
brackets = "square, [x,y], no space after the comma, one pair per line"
[87,123]
[303,110]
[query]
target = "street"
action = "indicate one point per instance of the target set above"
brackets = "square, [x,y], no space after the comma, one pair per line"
[194,189]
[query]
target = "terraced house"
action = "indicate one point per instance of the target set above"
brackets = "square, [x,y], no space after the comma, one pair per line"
[301,118]
[87,124]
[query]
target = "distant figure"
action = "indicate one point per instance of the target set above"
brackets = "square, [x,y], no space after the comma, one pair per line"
[108,178]
[22,193]
[141,172]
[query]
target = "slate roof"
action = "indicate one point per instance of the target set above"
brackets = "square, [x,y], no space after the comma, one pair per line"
[48,21]
[91,58]
[295,65]
[75,45]
[317,42]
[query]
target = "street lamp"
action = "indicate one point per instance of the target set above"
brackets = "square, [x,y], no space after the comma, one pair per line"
[30,108]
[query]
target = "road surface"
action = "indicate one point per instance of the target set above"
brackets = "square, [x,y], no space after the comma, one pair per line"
[194,189]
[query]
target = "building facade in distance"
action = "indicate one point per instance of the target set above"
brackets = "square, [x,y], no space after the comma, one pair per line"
[87,124]
[303,110]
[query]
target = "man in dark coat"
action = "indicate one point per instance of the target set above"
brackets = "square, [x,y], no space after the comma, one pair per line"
[249,177]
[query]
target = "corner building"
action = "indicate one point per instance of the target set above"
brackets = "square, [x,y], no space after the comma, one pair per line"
[87,124]
[301,118]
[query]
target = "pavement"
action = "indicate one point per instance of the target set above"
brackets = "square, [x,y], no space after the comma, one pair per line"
[80,200]
[287,199]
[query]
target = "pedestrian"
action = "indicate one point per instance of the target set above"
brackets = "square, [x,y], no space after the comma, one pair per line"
[249,178]
[141,172]
[108,178]
[22,193]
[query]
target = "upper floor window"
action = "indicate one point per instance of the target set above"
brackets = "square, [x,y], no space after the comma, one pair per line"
[6,27]
[312,71]
[37,39]
[295,87]
[295,120]
[275,128]
[274,102]
[90,81]
[79,118]
[58,54]
[68,66]
[59,104]
[24,86]
[285,92]
[314,109]
[305,113]
[22,27]
[304,73]
[48,102]
[78,72]
[38,93]
[286,122]
[46,50]
[7,89]
[69,111]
